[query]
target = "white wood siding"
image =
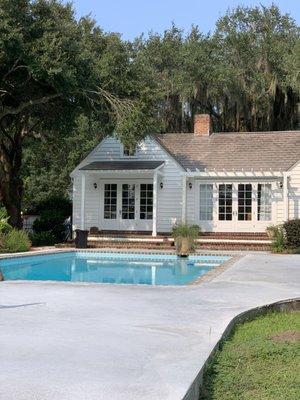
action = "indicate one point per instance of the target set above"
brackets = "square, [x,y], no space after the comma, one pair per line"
[169,198]
[294,192]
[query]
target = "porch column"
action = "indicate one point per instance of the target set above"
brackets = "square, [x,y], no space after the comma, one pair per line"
[285,197]
[154,228]
[183,215]
[82,210]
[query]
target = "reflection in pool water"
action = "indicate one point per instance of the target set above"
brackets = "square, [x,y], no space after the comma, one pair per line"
[126,268]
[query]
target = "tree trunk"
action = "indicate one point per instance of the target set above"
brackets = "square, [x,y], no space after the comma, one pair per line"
[11,196]
[11,187]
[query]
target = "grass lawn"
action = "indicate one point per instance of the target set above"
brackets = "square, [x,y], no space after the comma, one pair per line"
[260,361]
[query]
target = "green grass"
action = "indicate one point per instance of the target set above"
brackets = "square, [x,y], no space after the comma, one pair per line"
[254,365]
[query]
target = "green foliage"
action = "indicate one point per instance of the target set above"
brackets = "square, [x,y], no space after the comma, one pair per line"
[186,231]
[278,244]
[60,204]
[16,241]
[66,84]
[185,237]
[5,227]
[292,233]
[51,221]
[254,363]
[50,227]
[43,239]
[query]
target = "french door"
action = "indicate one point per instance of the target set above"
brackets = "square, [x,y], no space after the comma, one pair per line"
[235,207]
[126,205]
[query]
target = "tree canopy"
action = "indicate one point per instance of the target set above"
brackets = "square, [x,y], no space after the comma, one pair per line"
[65,84]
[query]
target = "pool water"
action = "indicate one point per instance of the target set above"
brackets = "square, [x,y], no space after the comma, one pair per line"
[117,268]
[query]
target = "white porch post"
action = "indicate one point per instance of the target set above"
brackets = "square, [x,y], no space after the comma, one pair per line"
[183,215]
[154,226]
[82,210]
[285,197]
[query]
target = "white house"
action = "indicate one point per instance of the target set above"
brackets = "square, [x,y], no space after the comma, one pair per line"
[224,182]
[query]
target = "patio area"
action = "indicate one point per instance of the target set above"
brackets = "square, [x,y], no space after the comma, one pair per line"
[74,341]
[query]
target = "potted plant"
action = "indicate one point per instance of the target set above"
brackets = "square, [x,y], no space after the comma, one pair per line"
[184,236]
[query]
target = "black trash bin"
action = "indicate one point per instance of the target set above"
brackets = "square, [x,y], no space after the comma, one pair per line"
[81,239]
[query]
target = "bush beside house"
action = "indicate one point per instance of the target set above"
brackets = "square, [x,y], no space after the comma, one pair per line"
[50,227]
[286,237]
[12,240]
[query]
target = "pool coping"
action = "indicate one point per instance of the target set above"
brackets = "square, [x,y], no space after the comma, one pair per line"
[207,277]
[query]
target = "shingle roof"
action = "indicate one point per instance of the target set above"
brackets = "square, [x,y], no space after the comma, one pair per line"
[249,150]
[121,165]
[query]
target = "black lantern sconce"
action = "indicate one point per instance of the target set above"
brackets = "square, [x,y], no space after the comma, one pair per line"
[190,185]
[95,185]
[161,185]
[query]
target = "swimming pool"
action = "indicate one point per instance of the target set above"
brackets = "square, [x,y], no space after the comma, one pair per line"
[117,268]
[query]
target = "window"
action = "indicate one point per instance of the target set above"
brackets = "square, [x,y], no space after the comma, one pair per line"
[206,202]
[264,205]
[110,201]
[225,202]
[129,151]
[244,202]
[128,201]
[146,201]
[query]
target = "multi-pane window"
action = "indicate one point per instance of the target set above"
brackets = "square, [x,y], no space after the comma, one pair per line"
[146,201]
[244,202]
[206,202]
[225,202]
[264,203]
[110,201]
[128,201]
[129,151]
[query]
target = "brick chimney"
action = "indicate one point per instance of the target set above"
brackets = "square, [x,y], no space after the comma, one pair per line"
[202,124]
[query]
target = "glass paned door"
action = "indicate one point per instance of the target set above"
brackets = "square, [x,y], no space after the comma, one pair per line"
[110,201]
[146,201]
[264,202]
[128,201]
[244,202]
[225,202]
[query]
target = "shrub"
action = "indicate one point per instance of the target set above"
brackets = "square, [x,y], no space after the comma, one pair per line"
[60,204]
[51,221]
[5,227]
[42,239]
[16,241]
[278,244]
[292,232]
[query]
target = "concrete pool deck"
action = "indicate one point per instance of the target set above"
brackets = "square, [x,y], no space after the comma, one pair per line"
[74,341]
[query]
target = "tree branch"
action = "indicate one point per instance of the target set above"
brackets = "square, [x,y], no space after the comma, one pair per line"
[30,103]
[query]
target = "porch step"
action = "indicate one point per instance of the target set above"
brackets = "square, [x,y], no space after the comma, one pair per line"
[211,241]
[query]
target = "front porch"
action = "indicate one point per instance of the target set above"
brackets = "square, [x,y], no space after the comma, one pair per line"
[120,196]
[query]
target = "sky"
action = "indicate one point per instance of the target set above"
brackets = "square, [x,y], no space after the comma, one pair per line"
[132,17]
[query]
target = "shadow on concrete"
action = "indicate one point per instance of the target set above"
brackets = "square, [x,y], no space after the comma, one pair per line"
[20,305]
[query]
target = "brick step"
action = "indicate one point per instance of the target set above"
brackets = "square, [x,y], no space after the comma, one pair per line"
[169,246]
[235,246]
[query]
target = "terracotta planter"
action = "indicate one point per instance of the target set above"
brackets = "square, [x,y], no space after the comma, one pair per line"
[183,246]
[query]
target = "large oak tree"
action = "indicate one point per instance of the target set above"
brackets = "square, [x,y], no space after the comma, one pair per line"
[50,72]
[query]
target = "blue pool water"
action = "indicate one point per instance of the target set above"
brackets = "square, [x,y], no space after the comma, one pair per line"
[118,268]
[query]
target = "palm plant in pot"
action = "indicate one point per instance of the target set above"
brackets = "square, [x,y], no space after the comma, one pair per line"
[184,236]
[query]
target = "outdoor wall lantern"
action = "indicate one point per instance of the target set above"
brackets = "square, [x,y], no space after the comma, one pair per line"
[190,185]
[95,185]
[161,185]
[281,184]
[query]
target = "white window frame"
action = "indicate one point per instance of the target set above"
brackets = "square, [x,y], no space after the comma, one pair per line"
[130,156]
[206,204]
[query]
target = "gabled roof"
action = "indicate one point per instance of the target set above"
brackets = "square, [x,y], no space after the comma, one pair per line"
[239,151]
